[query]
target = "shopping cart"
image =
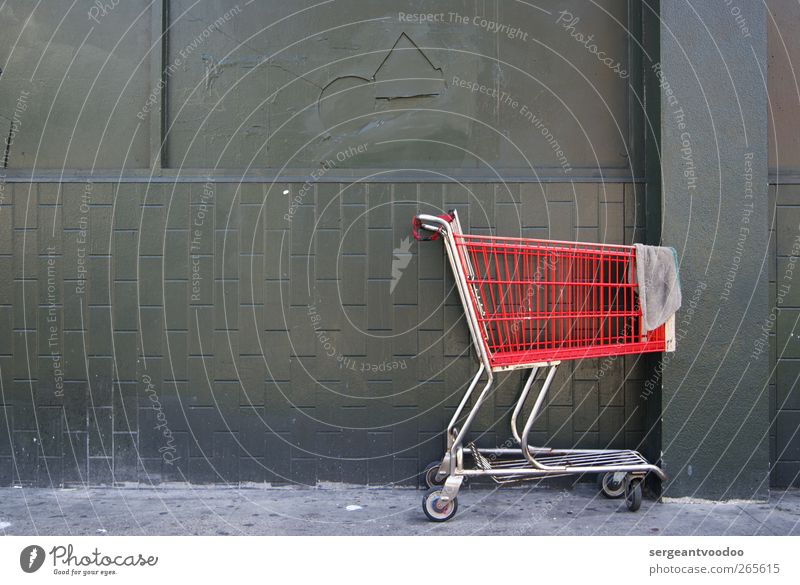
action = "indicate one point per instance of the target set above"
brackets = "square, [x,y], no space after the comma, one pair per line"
[529,305]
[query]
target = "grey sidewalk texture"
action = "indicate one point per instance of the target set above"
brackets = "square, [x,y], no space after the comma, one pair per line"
[336,510]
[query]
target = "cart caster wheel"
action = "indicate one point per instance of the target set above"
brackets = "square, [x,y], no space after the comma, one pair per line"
[633,494]
[430,475]
[609,487]
[435,509]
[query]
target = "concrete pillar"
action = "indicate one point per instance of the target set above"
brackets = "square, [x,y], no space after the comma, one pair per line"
[715,419]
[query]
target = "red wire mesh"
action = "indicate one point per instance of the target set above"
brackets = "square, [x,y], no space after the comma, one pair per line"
[542,300]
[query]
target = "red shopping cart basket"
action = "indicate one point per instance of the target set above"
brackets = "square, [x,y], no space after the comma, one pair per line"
[531,304]
[543,300]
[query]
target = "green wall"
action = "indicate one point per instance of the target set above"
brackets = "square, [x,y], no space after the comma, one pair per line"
[205,217]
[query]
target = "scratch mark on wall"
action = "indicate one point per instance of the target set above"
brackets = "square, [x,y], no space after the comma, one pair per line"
[7,148]
[405,72]
[214,68]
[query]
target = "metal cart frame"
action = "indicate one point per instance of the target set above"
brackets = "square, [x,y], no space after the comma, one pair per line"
[621,471]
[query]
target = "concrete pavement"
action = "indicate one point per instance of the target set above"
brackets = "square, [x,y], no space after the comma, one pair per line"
[350,510]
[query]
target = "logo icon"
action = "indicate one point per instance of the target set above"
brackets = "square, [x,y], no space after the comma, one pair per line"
[401,260]
[31,558]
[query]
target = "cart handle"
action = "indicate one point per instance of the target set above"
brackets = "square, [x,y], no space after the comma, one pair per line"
[431,223]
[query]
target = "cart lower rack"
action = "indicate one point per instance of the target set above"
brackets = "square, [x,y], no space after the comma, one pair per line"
[529,305]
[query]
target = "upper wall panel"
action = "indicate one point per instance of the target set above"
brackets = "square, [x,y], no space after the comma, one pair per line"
[446,85]
[490,87]
[74,78]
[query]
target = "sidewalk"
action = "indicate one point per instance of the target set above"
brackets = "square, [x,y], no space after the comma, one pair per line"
[351,510]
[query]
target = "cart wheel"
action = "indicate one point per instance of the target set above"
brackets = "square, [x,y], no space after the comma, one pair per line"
[609,487]
[633,494]
[437,510]
[430,475]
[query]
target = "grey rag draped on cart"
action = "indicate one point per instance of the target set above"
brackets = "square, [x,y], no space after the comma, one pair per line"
[659,286]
